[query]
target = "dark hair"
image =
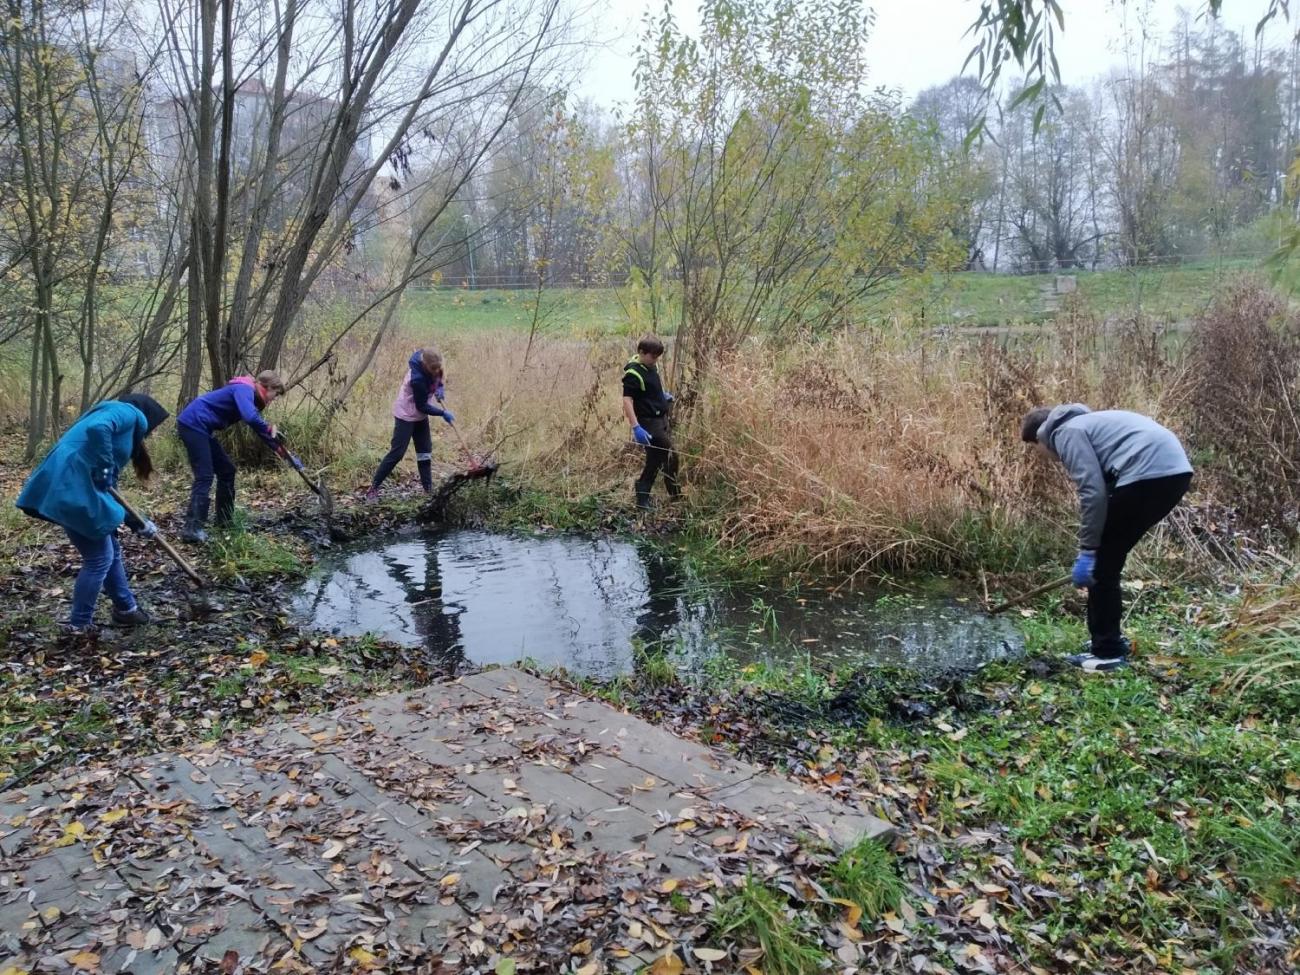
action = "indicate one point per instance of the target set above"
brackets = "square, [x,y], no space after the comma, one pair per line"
[142,462]
[1032,421]
[652,344]
[154,415]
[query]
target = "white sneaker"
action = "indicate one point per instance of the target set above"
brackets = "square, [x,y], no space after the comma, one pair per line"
[1093,664]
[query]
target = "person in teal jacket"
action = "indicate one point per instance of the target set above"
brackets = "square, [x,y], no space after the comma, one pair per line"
[71,489]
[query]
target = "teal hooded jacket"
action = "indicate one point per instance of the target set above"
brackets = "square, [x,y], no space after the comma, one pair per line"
[62,489]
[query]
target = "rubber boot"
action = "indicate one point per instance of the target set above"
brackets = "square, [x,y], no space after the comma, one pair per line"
[426,475]
[643,495]
[195,518]
[225,504]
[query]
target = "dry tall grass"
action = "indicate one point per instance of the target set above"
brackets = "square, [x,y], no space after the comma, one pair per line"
[880,450]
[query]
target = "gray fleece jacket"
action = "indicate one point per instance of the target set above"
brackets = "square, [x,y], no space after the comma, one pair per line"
[1106,450]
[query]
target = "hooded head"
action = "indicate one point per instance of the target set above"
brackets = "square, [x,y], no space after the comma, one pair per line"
[1041,423]
[154,414]
[428,362]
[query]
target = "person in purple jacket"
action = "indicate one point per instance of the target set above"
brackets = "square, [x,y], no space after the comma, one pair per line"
[243,398]
[411,412]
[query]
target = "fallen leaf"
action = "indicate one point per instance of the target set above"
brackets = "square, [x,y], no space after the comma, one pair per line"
[583,947]
[505,966]
[667,964]
[852,911]
[112,816]
[229,962]
[709,954]
[74,831]
[315,931]
[257,658]
[451,880]
[362,957]
[669,885]
[85,961]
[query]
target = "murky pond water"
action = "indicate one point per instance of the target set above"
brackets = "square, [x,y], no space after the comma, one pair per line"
[585,602]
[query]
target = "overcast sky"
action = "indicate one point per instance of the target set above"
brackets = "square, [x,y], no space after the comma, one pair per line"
[918,43]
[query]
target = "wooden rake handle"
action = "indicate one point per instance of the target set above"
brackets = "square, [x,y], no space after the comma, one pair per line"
[1024,597]
[166,545]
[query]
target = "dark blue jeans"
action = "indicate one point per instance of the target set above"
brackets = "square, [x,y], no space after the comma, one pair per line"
[101,570]
[208,459]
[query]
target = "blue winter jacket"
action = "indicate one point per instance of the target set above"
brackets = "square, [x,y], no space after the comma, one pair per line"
[62,490]
[225,407]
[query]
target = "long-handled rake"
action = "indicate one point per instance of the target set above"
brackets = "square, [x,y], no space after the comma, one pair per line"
[477,465]
[1024,597]
[318,486]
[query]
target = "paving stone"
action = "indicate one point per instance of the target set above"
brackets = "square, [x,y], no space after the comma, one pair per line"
[780,802]
[414,787]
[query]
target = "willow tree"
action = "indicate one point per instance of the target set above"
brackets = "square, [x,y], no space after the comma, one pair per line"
[782,190]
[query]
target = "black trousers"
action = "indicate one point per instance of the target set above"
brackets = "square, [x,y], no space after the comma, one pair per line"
[208,459]
[404,431]
[660,455]
[1131,512]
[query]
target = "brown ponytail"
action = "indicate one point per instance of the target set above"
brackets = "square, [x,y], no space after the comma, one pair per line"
[142,462]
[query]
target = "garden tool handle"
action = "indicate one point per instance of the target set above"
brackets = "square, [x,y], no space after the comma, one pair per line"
[464,447]
[1024,597]
[166,545]
[282,452]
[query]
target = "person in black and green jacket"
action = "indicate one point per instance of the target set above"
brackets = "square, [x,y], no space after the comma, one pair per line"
[645,407]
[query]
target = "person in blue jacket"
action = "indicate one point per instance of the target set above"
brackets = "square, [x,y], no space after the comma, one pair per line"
[243,398]
[71,489]
[411,412]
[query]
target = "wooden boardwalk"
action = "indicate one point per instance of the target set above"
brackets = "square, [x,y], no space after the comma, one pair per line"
[429,831]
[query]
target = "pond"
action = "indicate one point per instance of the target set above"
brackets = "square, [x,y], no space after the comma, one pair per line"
[585,603]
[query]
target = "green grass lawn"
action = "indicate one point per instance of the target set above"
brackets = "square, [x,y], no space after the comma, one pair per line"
[1169,293]
[564,310]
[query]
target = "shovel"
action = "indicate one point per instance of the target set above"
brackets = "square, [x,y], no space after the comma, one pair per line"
[200,605]
[317,487]
[1024,597]
[166,545]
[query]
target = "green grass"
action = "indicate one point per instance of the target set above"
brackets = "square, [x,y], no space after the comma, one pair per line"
[759,916]
[566,310]
[236,553]
[1159,804]
[866,875]
[1174,293]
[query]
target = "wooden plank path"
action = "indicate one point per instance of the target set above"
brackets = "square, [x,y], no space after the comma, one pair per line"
[430,831]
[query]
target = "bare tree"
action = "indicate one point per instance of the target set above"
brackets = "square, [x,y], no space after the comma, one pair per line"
[293,115]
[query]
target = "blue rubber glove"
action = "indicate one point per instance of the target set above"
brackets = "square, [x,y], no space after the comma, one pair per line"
[102,478]
[1084,566]
[668,397]
[439,391]
[147,529]
[449,416]
[641,435]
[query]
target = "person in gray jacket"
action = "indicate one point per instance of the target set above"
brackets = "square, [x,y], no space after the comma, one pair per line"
[1130,472]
